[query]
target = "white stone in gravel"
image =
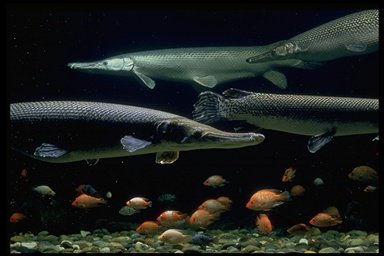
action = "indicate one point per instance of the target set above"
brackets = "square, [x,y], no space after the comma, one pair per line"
[303,241]
[141,247]
[178,251]
[76,247]
[84,233]
[357,249]
[29,245]
[328,250]
[105,250]
[263,242]
[17,244]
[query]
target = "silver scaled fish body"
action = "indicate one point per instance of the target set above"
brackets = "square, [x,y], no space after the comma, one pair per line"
[69,131]
[205,66]
[351,35]
[320,117]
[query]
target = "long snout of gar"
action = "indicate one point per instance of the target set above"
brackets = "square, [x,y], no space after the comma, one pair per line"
[84,65]
[229,139]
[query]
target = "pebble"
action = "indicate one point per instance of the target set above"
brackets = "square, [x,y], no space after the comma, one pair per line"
[105,250]
[29,245]
[357,249]
[328,250]
[84,233]
[303,241]
[355,242]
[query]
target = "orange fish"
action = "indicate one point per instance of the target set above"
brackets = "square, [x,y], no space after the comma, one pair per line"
[288,175]
[172,218]
[333,211]
[266,199]
[215,181]
[148,228]
[139,203]
[298,229]
[17,217]
[225,201]
[325,220]
[174,236]
[263,223]
[213,206]
[364,174]
[297,190]
[202,218]
[84,201]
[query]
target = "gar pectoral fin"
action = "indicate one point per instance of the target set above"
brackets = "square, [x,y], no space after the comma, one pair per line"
[145,79]
[131,144]
[318,141]
[167,157]
[376,138]
[276,78]
[49,150]
[92,162]
[207,81]
[356,47]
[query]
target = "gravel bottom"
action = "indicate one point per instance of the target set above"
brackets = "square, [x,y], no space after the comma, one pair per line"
[228,241]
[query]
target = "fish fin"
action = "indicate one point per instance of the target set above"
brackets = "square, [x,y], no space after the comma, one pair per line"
[356,47]
[207,81]
[277,78]
[167,157]
[131,144]
[376,138]
[145,79]
[308,64]
[49,150]
[207,109]
[318,141]
[92,162]
[235,93]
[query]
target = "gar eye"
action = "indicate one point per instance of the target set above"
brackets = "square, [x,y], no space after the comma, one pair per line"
[105,63]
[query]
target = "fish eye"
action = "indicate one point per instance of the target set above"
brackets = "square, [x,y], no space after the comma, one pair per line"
[105,63]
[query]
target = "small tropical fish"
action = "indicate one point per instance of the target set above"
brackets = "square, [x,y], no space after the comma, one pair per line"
[17,217]
[202,218]
[325,220]
[369,189]
[225,200]
[44,190]
[263,223]
[174,236]
[266,199]
[166,197]
[333,211]
[200,239]
[288,175]
[364,174]
[215,181]
[84,201]
[172,218]
[148,228]
[297,190]
[318,182]
[128,211]
[298,229]
[213,206]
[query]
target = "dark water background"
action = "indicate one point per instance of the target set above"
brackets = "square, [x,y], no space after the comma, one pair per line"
[41,40]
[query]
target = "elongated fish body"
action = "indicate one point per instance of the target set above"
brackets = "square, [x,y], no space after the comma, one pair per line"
[351,35]
[206,66]
[68,131]
[321,117]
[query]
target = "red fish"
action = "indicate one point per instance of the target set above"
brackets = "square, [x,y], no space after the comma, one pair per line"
[263,223]
[172,218]
[266,199]
[84,201]
[297,190]
[17,217]
[148,228]
[202,218]
[298,229]
[324,220]
[213,206]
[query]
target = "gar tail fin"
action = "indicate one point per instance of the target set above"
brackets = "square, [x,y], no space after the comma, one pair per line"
[207,109]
